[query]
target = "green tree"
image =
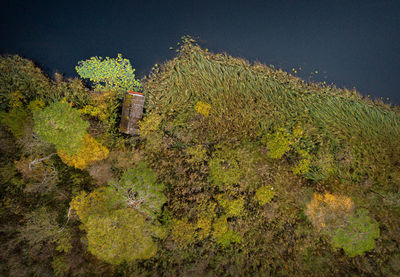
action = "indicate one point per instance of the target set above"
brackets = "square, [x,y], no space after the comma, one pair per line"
[358,236]
[123,235]
[19,75]
[117,217]
[61,125]
[139,189]
[115,232]
[114,74]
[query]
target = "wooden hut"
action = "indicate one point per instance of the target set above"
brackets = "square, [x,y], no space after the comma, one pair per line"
[132,112]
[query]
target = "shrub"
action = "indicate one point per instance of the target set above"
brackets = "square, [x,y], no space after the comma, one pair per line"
[265,194]
[278,143]
[40,227]
[61,125]
[322,166]
[197,154]
[223,234]
[100,201]
[206,212]
[203,108]
[232,207]
[18,117]
[22,75]
[358,235]
[15,121]
[103,106]
[150,124]
[204,223]
[228,238]
[183,232]
[302,166]
[41,173]
[91,152]
[329,211]
[224,168]
[59,266]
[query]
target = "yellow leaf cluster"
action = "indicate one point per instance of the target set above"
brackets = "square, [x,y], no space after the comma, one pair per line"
[16,99]
[197,154]
[328,210]
[265,194]
[183,232]
[91,152]
[232,207]
[203,108]
[149,124]
[86,204]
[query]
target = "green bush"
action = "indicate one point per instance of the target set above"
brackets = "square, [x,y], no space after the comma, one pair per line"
[139,189]
[122,236]
[61,125]
[22,75]
[265,194]
[224,168]
[358,236]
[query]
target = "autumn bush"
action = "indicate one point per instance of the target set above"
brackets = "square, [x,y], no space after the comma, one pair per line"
[350,229]
[91,152]
[122,236]
[115,233]
[328,211]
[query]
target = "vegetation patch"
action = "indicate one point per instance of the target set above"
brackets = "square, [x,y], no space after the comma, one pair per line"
[239,169]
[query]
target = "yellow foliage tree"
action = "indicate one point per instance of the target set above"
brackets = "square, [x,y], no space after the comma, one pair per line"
[115,232]
[91,152]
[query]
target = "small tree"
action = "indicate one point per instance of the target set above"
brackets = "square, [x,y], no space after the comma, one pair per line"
[91,152]
[115,232]
[140,190]
[116,219]
[358,236]
[61,125]
[123,235]
[113,74]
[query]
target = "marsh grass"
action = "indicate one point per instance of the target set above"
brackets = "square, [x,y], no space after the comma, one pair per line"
[247,100]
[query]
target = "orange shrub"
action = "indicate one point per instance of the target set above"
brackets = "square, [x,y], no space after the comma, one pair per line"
[329,211]
[91,152]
